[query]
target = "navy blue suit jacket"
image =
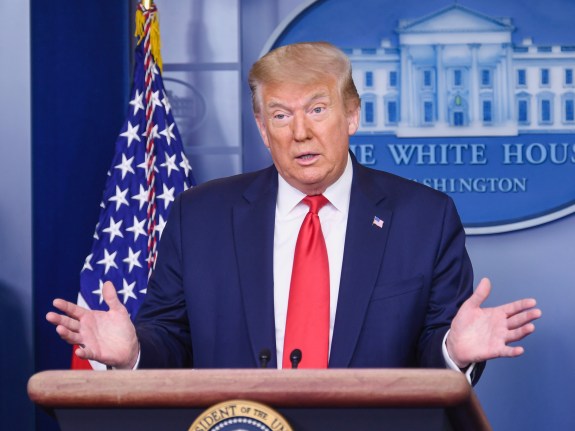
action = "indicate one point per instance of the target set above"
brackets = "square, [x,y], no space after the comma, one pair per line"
[210,300]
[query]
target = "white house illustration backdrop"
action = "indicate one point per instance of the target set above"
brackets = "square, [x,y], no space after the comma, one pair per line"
[456,72]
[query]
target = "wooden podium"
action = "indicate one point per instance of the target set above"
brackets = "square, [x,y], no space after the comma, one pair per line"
[325,400]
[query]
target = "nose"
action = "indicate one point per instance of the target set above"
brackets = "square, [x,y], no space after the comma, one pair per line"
[300,127]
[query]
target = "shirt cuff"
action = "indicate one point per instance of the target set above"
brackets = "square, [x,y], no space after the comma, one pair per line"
[135,365]
[452,365]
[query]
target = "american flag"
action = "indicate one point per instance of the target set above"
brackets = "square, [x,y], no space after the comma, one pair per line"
[148,170]
[377,221]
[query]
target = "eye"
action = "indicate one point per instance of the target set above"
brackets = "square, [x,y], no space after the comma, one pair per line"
[318,109]
[279,116]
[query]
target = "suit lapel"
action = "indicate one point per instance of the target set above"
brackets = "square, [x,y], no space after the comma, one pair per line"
[364,249]
[253,221]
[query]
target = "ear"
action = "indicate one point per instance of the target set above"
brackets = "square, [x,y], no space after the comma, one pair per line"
[353,120]
[262,128]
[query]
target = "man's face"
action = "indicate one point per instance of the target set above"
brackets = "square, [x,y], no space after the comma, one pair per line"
[307,129]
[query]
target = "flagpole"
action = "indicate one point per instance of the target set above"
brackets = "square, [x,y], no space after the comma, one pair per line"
[147,3]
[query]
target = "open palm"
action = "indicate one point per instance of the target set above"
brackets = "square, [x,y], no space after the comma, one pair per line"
[108,337]
[478,334]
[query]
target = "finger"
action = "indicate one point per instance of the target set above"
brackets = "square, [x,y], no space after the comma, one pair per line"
[481,293]
[515,307]
[69,308]
[67,322]
[54,318]
[523,318]
[503,352]
[84,353]
[511,351]
[68,336]
[111,296]
[520,333]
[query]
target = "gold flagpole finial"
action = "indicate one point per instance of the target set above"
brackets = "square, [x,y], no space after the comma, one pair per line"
[148,26]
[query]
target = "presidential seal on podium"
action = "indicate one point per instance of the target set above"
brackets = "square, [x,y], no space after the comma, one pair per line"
[240,415]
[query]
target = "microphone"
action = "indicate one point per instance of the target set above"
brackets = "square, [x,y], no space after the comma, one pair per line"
[295,358]
[265,356]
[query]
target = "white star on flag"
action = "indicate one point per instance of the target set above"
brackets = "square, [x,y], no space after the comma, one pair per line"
[168,133]
[167,195]
[128,290]
[138,228]
[156,98]
[120,198]
[131,133]
[87,264]
[170,163]
[141,197]
[114,229]
[154,133]
[166,103]
[137,102]
[125,166]
[160,226]
[133,259]
[109,260]
[99,292]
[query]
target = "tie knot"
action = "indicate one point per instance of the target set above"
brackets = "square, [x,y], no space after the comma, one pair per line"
[315,203]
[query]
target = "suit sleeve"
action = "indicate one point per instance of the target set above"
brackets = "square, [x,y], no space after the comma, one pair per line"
[452,284]
[162,323]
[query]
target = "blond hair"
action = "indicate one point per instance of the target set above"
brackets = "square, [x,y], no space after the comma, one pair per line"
[305,63]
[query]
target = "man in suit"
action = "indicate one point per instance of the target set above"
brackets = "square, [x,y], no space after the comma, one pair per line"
[400,280]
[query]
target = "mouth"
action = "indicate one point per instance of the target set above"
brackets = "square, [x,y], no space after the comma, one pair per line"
[307,157]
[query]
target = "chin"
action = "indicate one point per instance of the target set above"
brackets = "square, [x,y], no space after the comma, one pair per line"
[314,188]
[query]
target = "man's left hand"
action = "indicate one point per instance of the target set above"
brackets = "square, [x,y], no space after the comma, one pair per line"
[478,334]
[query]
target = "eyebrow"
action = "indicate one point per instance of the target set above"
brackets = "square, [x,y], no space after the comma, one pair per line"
[278,104]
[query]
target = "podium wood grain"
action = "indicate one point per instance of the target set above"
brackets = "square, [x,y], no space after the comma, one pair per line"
[339,388]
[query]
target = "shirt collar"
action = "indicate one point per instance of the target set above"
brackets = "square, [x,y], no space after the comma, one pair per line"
[338,193]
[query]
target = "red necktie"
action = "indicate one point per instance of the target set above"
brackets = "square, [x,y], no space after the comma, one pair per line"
[307,324]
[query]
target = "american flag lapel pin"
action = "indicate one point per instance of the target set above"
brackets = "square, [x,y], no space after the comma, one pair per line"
[377,222]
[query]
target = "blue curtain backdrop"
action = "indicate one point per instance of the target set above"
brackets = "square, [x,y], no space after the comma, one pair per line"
[80,84]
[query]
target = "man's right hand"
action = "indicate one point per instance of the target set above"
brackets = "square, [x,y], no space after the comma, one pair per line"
[108,337]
